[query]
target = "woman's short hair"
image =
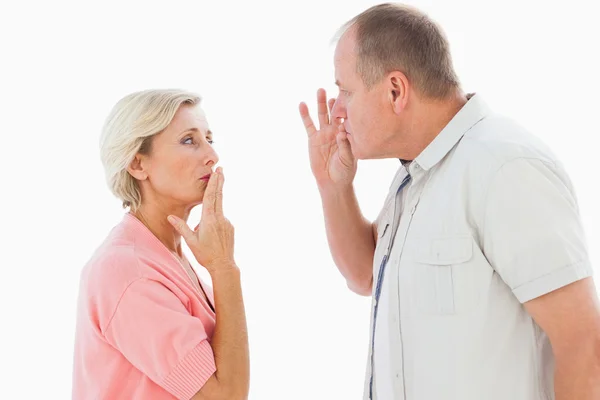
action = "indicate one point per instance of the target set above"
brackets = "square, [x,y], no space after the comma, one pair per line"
[128,130]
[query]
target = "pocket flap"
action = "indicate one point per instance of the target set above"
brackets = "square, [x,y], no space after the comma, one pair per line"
[445,250]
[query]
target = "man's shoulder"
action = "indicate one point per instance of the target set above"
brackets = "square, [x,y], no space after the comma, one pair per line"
[497,140]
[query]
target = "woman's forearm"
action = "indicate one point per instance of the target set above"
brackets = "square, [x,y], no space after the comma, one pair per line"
[230,337]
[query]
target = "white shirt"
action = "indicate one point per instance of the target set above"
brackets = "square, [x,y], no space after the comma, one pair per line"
[490,221]
[382,356]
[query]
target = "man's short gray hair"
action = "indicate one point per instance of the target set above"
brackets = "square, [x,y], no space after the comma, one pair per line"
[396,37]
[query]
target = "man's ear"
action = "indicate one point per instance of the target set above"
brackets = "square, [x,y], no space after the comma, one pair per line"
[136,168]
[397,85]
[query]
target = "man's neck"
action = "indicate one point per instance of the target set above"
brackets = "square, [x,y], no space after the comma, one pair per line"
[429,119]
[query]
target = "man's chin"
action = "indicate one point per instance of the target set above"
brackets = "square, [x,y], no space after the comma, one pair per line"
[360,154]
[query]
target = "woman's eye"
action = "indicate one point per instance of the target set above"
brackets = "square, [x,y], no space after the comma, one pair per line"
[188,141]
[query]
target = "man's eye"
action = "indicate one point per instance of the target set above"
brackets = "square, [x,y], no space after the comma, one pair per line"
[210,141]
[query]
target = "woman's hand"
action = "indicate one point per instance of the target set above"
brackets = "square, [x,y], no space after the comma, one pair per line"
[212,241]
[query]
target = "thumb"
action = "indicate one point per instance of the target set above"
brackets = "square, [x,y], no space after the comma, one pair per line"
[344,147]
[181,227]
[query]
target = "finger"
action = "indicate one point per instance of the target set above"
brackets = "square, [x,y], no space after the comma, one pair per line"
[322,108]
[307,120]
[181,228]
[219,192]
[208,202]
[330,104]
[344,146]
[332,119]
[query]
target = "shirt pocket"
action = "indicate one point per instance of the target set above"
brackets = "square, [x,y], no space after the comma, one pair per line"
[441,274]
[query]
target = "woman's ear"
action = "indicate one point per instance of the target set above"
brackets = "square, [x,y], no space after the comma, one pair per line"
[136,168]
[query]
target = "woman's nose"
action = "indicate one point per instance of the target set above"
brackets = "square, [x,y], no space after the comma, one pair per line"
[211,158]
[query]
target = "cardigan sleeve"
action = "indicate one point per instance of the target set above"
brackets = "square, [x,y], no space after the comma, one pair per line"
[155,332]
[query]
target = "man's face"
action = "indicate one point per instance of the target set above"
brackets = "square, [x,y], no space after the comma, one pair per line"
[363,110]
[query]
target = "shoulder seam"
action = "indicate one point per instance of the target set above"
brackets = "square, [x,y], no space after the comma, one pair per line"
[121,298]
[493,176]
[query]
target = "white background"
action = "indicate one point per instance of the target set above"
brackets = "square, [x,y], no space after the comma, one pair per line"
[64,65]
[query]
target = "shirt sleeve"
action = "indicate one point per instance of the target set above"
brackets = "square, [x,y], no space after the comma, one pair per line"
[532,232]
[155,332]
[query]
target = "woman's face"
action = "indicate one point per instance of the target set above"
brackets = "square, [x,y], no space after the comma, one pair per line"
[180,160]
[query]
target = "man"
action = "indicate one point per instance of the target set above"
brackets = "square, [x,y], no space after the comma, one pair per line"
[477,263]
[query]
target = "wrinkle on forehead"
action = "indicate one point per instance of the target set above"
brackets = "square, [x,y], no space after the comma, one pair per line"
[346,46]
[195,118]
[345,55]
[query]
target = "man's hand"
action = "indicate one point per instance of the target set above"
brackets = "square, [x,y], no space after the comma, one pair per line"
[331,158]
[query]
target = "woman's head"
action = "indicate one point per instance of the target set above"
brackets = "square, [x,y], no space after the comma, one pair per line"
[156,146]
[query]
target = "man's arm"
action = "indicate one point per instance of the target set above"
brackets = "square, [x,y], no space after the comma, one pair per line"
[351,238]
[334,166]
[570,316]
[534,239]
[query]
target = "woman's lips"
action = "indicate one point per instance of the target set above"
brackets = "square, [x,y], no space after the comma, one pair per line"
[205,177]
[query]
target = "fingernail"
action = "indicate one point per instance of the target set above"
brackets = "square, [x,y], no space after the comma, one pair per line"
[171,219]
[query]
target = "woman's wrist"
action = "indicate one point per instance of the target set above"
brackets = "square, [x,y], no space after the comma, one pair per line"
[226,267]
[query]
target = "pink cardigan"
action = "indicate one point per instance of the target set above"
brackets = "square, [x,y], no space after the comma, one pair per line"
[143,329]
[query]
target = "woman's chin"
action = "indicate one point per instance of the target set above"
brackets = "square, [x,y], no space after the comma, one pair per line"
[198,199]
[195,202]
[193,199]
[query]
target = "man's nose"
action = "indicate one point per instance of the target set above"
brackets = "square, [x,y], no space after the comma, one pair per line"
[338,111]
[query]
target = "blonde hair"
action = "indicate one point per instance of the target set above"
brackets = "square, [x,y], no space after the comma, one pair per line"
[128,130]
[396,37]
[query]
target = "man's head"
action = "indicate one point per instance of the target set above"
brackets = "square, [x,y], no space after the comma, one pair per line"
[389,60]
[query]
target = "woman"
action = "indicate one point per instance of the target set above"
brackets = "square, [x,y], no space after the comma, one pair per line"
[147,326]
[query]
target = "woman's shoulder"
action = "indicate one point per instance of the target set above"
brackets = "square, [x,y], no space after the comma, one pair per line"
[127,254]
[113,265]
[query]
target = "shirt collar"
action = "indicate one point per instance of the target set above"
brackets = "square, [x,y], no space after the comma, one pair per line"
[469,115]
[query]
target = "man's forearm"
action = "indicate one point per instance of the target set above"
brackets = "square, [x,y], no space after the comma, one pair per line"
[577,373]
[350,237]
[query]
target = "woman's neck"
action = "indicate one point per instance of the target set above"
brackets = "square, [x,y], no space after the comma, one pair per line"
[155,219]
